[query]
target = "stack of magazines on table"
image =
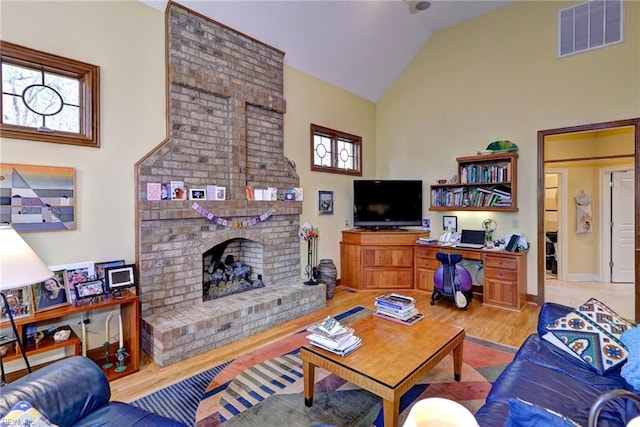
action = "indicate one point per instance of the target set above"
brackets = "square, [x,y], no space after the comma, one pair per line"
[332,336]
[397,308]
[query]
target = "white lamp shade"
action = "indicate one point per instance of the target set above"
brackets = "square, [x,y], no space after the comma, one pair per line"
[19,264]
[439,412]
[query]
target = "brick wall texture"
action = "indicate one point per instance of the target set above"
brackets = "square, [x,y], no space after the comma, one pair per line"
[225,113]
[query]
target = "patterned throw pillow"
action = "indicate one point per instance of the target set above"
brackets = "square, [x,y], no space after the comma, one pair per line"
[592,334]
[23,414]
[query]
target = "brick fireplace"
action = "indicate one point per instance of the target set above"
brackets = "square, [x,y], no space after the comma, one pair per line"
[225,122]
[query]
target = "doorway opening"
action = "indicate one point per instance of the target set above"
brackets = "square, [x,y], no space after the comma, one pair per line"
[585,152]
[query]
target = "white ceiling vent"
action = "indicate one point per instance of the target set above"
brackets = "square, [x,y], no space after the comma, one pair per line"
[590,25]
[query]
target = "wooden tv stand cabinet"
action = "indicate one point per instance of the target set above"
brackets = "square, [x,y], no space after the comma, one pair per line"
[378,259]
[391,260]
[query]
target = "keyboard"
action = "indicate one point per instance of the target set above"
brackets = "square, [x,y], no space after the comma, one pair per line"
[470,245]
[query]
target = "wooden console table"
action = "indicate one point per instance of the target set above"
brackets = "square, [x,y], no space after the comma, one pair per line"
[130,312]
[378,259]
[391,260]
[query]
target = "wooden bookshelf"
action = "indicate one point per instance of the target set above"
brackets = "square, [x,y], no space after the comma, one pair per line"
[485,183]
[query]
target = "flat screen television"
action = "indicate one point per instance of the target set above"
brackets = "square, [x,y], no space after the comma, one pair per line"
[387,203]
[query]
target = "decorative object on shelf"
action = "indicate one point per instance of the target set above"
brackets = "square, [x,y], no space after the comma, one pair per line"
[489,226]
[121,356]
[234,224]
[84,339]
[249,193]
[76,273]
[33,209]
[325,202]
[61,335]
[19,301]
[90,289]
[119,278]
[100,267]
[450,223]
[19,266]
[221,193]
[52,293]
[107,364]
[497,147]
[327,274]
[154,191]
[310,234]
[177,190]
[197,194]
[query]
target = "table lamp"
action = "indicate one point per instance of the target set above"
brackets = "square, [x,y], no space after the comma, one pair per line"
[19,266]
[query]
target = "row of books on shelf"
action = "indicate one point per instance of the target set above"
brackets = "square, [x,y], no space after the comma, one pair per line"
[481,174]
[397,308]
[334,337]
[461,196]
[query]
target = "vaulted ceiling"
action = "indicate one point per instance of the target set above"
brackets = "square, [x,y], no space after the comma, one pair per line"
[361,46]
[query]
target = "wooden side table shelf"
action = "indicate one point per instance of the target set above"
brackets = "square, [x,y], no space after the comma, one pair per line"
[130,312]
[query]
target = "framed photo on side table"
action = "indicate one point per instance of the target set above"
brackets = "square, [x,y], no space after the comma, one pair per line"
[100,267]
[450,223]
[52,293]
[119,278]
[19,301]
[90,289]
[76,273]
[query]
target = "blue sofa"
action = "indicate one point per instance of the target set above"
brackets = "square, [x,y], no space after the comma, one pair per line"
[548,377]
[75,392]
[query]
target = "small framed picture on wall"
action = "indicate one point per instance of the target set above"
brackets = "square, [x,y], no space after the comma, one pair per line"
[450,223]
[325,202]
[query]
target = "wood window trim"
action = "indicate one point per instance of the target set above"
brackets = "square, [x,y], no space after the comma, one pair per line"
[89,76]
[334,135]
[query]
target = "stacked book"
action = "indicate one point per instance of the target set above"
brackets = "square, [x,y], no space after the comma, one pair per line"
[334,337]
[397,308]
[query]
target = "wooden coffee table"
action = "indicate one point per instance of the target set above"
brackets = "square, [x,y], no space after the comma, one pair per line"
[392,359]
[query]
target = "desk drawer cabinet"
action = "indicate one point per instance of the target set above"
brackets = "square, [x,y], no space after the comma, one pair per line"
[505,280]
[426,265]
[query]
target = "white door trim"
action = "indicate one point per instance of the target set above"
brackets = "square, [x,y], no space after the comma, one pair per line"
[604,248]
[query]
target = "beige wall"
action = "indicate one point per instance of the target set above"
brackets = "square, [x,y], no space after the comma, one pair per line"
[310,100]
[126,39]
[497,77]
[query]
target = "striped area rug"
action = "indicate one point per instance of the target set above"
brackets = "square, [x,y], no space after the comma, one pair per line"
[271,377]
[180,401]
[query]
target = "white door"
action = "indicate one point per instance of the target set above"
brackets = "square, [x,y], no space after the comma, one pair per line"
[622,229]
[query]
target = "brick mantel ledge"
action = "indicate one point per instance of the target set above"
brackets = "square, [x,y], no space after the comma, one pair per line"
[182,209]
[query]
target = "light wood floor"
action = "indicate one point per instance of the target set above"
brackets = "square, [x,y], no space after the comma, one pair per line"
[507,327]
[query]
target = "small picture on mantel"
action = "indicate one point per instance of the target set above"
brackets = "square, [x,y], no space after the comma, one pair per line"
[221,193]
